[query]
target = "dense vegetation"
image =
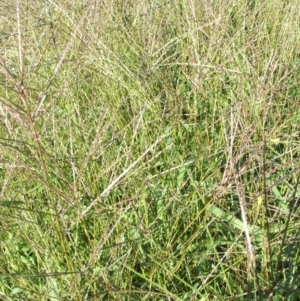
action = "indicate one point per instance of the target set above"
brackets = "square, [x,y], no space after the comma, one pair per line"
[149,150]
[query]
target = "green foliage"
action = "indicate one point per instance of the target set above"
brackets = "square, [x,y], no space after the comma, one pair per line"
[134,135]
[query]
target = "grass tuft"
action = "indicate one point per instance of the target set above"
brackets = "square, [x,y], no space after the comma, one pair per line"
[149,150]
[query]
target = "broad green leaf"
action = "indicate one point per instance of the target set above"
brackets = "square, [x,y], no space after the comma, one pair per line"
[10,203]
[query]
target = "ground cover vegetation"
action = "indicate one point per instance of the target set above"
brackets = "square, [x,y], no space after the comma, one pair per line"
[149,150]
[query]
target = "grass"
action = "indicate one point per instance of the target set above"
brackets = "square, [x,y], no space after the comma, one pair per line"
[149,150]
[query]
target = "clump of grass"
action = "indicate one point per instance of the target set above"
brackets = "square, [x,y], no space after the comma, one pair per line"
[149,150]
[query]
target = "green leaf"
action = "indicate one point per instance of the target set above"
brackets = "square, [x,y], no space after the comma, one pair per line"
[180,176]
[235,222]
[10,203]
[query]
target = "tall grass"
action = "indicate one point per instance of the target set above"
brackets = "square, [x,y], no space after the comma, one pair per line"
[149,150]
